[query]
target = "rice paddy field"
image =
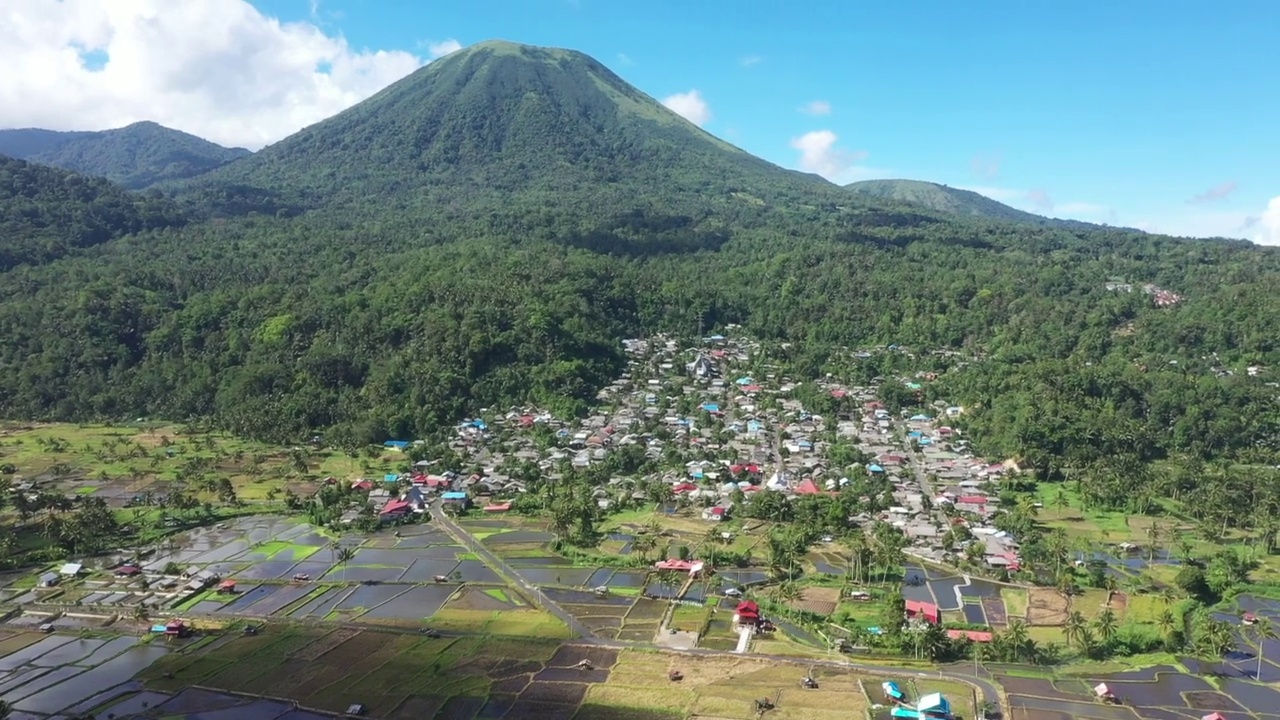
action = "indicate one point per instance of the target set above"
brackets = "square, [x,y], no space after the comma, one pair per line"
[409,676]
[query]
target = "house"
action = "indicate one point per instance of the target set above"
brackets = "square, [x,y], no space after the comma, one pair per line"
[497,507]
[701,367]
[49,580]
[177,628]
[456,498]
[398,445]
[977,636]
[1103,692]
[71,570]
[227,587]
[747,613]
[677,565]
[715,513]
[1214,716]
[394,510]
[923,610]
[127,571]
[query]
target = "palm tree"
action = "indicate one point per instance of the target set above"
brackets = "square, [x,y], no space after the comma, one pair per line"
[1105,624]
[1262,632]
[344,556]
[1165,621]
[1073,629]
[644,544]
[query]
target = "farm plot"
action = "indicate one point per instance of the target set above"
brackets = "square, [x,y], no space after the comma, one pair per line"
[415,604]
[1044,606]
[40,678]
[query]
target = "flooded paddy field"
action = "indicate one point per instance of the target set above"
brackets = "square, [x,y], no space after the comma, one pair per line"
[45,674]
[1157,693]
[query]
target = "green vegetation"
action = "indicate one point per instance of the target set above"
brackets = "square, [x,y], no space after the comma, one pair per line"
[954,201]
[441,247]
[46,214]
[136,156]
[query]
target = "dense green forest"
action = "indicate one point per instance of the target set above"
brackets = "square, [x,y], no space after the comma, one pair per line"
[137,156]
[47,213]
[486,231]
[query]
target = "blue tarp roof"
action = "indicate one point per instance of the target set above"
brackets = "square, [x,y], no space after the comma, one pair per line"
[390,477]
[711,407]
[401,444]
[876,468]
[921,417]
[158,628]
[744,381]
[892,689]
[454,495]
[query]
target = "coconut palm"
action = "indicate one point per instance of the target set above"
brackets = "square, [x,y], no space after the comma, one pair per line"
[1074,628]
[1106,625]
[1165,621]
[1262,632]
[345,554]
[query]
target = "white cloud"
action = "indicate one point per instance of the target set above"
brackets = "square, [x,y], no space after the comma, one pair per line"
[750,60]
[689,105]
[444,47]
[817,107]
[820,154]
[1268,226]
[217,68]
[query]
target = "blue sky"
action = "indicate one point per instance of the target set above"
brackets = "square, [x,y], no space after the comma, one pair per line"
[1157,115]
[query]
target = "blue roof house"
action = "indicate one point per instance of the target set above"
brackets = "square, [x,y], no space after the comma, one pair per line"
[396,444]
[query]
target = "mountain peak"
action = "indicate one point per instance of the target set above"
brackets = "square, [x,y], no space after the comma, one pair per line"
[494,119]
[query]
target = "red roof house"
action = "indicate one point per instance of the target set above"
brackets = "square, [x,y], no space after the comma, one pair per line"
[807,487]
[227,586]
[395,508]
[175,627]
[978,636]
[681,565]
[928,611]
[838,394]
[362,485]
[683,487]
[497,507]
[748,612]
[127,571]
[751,468]
[973,499]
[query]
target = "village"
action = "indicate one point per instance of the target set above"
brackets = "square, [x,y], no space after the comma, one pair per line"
[716,505]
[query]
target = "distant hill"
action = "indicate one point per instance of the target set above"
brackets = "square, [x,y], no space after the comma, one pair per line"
[46,213]
[136,156]
[954,201]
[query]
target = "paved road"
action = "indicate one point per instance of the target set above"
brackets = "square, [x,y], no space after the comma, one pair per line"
[585,636]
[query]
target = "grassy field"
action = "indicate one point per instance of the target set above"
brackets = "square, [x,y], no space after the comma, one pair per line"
[121,459]
[725,688]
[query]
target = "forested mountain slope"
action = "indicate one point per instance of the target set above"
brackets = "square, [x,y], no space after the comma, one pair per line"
[46,213]
[521,137]
[136,156]
[486,231]
[955,201]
